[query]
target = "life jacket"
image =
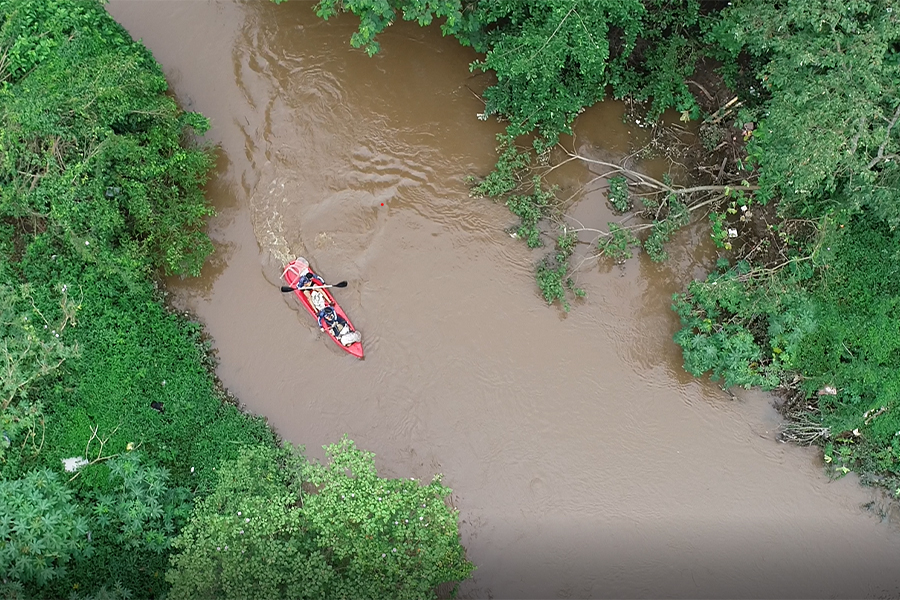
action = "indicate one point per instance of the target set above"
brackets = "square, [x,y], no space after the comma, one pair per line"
[308,279]
[324,319]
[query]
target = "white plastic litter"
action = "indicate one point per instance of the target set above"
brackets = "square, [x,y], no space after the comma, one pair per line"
[74,463]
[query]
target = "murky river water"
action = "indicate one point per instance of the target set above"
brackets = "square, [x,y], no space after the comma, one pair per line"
[584,461]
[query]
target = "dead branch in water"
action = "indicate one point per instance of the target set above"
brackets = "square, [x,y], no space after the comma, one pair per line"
[642,179]
[803,430]
[692,198]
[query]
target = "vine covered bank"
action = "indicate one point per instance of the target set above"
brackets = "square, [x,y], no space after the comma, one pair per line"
[125,469]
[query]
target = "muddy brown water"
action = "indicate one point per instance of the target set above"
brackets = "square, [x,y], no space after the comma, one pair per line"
[584,461]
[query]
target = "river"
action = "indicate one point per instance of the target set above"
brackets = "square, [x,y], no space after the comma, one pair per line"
[584,461]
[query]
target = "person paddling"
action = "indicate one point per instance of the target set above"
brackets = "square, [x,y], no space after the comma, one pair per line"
[329,319]
[309,278]
[339,327]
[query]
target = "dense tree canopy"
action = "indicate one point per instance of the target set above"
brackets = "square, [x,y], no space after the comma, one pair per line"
[829,136]
[259,535]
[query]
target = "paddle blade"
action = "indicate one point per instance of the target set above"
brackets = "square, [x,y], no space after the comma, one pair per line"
[285,288]
[340,284]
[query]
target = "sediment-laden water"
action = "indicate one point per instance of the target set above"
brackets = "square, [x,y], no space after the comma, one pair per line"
[585,462]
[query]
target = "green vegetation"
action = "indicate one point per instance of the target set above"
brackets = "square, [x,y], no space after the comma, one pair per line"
[817,311]
[49,531]
[116,442]
[803,127]
[262,533]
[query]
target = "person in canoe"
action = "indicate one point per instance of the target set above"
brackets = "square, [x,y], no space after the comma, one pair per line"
[316,297]
[329,319]
[308,279]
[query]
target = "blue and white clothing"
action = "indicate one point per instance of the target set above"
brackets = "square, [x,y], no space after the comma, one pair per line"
[309,279]
[329,318]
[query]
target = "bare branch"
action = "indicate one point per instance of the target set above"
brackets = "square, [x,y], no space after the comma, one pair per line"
[855,141]
[702,89]
[887,138]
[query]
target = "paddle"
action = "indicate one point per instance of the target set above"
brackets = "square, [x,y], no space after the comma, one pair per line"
[341,284]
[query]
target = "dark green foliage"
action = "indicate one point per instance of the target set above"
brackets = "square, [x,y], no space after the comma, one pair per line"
[719,318]
[531,209]
[551,58]
[391,537]
[376,15]
[258,535]
[618,244]
[133,518]
[856,345]
[663,59]
[30,348]
[663,229]
[828,134]
[551,277]
[618,193]
[92,145]
[552,272]
[718,230]
[247,539]
[511,163]
[565,245]
[41,529]
[141,511]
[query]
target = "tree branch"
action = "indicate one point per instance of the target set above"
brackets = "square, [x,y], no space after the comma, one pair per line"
[887,138]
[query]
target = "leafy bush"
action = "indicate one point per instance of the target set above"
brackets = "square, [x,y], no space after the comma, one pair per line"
[357,536]
[246,539]
[663,229]
[142,511]
[618,193]
[41,529]
[531,209]
[92,145]
[511,163]
[618,244]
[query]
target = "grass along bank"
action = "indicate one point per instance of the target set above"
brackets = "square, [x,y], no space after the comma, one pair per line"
[122,461]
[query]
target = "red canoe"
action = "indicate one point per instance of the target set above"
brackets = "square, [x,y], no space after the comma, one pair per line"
[316,299]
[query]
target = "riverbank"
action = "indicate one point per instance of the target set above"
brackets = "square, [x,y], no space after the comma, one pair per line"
[116,434]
